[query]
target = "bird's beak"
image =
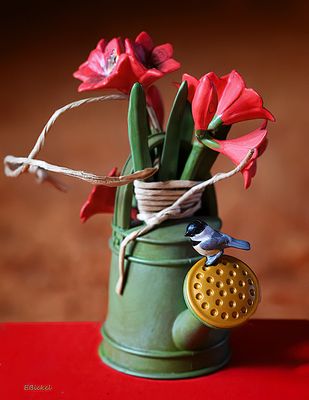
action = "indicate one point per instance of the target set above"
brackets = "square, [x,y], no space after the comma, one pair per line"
[187,234]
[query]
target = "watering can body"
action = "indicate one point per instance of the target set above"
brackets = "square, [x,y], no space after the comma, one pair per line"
[149,331]
[143,326]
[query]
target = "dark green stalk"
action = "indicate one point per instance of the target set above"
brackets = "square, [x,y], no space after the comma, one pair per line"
[194,161]
[199,164]
[209,200]
[187,126]
[138,129]
[171,147]
[202,157]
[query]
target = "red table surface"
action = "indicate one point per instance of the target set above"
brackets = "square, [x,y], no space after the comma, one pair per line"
[270,361]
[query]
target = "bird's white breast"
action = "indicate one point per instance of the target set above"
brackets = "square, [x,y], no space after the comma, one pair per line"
[204,252]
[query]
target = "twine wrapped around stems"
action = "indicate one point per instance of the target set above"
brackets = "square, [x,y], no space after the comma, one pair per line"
[175,210]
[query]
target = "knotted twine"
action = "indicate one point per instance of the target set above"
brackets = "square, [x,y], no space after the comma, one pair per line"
[151,196]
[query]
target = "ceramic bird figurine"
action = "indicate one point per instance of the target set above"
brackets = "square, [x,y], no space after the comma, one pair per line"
[211,243]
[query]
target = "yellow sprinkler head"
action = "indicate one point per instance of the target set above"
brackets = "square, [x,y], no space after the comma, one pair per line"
[224,295]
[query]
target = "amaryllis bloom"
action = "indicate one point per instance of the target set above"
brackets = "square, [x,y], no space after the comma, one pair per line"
[107,67]
[236,102]
[150,62]
[154,100]
[204,104]
[237,149]
[101,200]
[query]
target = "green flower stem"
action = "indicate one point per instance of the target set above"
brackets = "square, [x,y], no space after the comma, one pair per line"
[215,123]
[193,162]
[210,143]
[172,140]
[198,152]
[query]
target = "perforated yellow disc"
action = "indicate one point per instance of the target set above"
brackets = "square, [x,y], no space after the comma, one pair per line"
[224,295]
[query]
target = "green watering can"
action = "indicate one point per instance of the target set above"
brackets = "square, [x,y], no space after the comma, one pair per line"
[173,317]
[149,330]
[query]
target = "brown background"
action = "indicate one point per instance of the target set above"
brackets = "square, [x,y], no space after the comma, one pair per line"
[54,268]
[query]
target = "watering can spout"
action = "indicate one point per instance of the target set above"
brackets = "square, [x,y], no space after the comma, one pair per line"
[218,298]
[191,334]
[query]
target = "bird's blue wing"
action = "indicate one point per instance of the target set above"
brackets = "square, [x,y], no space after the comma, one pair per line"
[215,241]
[209,244]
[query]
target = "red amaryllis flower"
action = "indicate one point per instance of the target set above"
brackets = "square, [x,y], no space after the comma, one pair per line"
[204,104]
[236,103]
[154,100]
[100,200]
[107,67]
[150,62]
[237,149]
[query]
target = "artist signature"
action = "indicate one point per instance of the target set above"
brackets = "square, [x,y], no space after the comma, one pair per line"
[38,388]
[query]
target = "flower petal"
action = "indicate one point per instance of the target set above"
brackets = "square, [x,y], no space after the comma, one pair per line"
[169,65]
[232,90]
[129,47]
[96,62]
[114,45]
[204,104]
[101,45]
[248,106]
[100,200]
[122,77]
[237,149]
[192,85]
[150,63]
[162,53]
[145,40]
[85,72]
[107,67]
[241,145]
[220,83]
[150,76]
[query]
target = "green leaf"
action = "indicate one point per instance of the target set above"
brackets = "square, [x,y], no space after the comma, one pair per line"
[186,132]
[138,128]
[173,137]
[187,124]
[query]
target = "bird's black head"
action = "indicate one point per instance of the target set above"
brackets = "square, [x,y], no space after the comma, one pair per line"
[195,227]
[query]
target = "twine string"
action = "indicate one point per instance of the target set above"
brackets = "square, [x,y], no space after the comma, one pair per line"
[152,196]
[153,119]
[15,166]
[173,211]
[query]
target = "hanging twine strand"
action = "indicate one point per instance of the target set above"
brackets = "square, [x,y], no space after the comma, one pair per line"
[175,210]
[15,166]
[40,167]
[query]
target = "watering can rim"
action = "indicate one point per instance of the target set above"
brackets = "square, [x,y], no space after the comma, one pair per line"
[151,239]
